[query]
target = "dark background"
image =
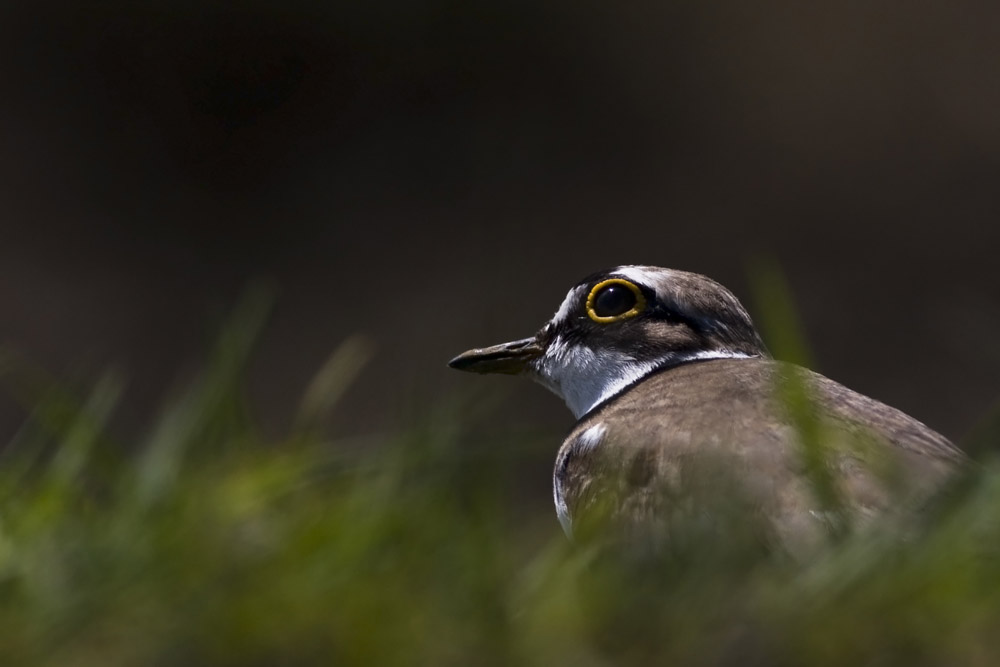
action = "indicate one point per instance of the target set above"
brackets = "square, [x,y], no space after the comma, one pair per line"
[435,175]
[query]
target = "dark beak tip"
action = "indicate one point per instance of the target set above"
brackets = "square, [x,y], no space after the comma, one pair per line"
[458,363]
[467,361]
[471,362]
[507,358]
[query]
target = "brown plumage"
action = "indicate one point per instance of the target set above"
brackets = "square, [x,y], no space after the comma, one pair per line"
[656,438]
[679,400]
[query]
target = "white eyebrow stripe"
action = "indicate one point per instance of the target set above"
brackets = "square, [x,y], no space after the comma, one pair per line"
[567,305]
[649,277]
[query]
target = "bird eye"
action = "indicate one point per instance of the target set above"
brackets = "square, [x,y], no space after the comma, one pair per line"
[613,300]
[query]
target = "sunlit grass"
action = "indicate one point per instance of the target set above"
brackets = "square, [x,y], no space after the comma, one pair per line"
[207,544]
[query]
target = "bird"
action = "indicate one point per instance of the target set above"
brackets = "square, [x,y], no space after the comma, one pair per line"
[669,380]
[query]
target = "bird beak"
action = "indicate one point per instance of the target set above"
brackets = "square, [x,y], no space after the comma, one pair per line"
[509,358]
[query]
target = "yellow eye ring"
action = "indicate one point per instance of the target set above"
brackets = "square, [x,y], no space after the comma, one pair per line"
[637,307]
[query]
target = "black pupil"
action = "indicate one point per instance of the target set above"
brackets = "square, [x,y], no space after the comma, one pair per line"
[613,300]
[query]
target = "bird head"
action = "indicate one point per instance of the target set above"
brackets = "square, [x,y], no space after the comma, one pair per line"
[615,327]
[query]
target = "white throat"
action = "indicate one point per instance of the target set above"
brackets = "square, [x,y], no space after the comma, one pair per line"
[585,379]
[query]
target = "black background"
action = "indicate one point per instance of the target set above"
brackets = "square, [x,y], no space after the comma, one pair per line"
[435,175]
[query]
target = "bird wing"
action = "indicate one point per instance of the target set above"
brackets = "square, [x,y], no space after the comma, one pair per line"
[718,433]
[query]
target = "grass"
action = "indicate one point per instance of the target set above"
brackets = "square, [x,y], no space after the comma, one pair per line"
[207,544]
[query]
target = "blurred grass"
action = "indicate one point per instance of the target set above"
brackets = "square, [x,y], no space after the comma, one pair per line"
[780,325]
[207,544]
